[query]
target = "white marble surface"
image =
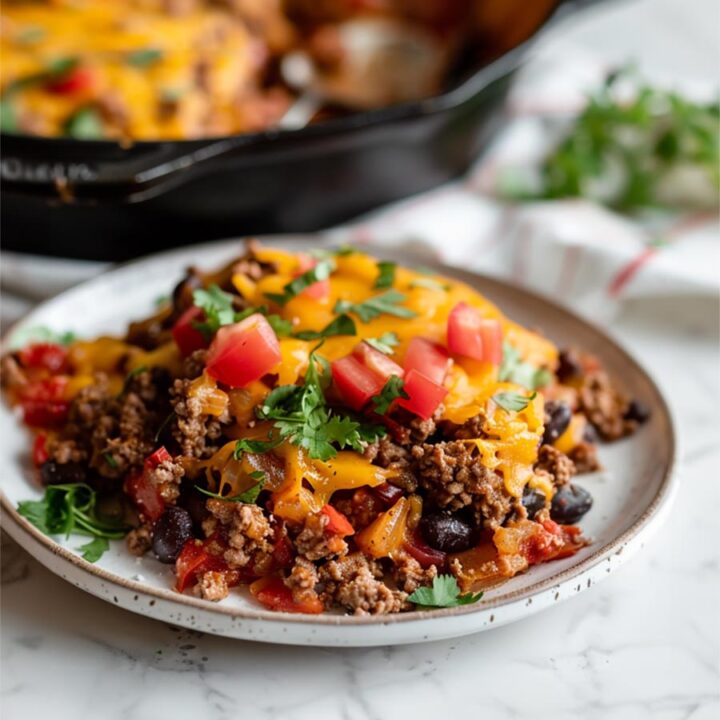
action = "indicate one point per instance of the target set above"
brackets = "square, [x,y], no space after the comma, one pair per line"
[643,644]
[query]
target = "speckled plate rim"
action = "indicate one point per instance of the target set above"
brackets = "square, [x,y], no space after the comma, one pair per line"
[559,586]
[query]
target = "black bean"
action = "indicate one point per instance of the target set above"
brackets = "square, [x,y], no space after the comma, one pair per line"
[557,418]
[446,532]
[171,532]
[54,473]
[533,500]
[569,366]
[637,411]
[569,504]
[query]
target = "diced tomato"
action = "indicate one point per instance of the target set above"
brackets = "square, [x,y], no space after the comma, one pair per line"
[43,403]
[318,290]
[243,352]
[145,496]
[470,335]
[193,560]
[388,493]
[39,452]
[275,595]
[187,337]
[492,341]
[45,356]
[354,382]
[423,553]
[424,395]
[377,362]
[160,456]
[78,80]
[428,358]
[338,524]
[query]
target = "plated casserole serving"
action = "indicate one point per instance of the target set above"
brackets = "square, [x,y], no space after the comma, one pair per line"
[329,430]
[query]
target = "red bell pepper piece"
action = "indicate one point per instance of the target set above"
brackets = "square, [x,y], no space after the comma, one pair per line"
[338,524]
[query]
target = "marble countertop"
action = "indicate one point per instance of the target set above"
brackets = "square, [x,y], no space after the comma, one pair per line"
[643,644]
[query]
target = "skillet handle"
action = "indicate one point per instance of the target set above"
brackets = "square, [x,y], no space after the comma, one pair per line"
[104,172]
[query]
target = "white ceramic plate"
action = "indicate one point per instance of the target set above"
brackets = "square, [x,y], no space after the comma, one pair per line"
[632,495]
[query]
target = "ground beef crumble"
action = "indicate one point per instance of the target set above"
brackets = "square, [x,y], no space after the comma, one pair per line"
[355,583]
[389,455]
[139,540]
[584,456]
[361,508]
[166,477]
[454,478]
[198,434]
[249,533]
[313,543]
[556,464]
[409,574]
[302,580]
[212,585]
[604,406]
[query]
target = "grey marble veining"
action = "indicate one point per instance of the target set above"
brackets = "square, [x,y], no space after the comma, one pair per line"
[642,645]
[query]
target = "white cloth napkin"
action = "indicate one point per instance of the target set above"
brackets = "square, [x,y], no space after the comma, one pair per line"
[574,251]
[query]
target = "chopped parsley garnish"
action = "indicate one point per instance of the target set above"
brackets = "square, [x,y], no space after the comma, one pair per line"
[85,124]
[301,416]
[94,550]
[385,343]
[392,390]
[341,325]
[254,447]
[387,303]
[622,152]
[513,401]
[40,334]
[8,115]
[144,57]
[110,460]
[444,593]
[53,71]
[429,284]
[218,308]
[386,274]
[248,496]
[282,327]
[66,509]
[325,253]
[514,370]
[31,35]
[320,272]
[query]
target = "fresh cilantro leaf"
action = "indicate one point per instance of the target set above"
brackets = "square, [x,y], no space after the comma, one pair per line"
[513,401]
[144,57]
[386,303]
[444,593]
[625,147]
[31,35]
[110,460]
[40,334]
[36,512]
[326,253]
[66,509]
[248,496]
[218,308]
[257,475]
[85,124]
[254,447]
[341,325]
[386,274]
[385,343]
[95,549]
[514,370]
[392,390]
[282,327]
[8,115]
[300,415]
[320,272]
[429,284]
[163,425]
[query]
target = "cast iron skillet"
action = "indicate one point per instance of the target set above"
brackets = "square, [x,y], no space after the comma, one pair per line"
[99,200]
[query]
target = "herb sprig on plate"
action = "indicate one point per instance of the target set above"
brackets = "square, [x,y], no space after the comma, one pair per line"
[444,593]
